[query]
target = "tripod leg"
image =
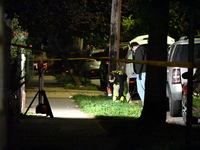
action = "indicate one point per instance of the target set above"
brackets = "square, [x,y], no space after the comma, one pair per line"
[31,103]
[46,102]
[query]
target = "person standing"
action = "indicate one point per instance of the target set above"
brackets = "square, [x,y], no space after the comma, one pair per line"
[140,69]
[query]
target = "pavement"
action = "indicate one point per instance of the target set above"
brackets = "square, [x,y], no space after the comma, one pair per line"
[72,129]
[69,128]
[60,99]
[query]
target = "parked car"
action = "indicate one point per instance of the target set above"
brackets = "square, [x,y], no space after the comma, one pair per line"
[90,68]
[195,97]
[178,52]
[143,40]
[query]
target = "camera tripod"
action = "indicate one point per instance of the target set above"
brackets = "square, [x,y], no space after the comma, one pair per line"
[43,107]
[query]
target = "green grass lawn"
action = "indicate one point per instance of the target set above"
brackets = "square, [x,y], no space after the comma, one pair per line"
[196,106]
[104,106]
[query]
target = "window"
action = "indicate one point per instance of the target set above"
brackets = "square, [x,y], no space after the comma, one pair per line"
[170,52]
[181,53]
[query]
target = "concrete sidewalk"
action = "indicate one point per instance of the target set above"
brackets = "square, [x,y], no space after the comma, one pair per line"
[60,99]
[70,129]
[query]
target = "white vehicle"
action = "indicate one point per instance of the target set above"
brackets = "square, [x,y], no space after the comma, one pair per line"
[143,40]
[178,52]
[91,65]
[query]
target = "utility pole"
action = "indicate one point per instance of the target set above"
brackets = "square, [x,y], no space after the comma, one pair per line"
[114,34]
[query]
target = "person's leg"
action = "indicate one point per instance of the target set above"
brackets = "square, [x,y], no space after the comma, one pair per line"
[141,87]
[128,96]
[115,91]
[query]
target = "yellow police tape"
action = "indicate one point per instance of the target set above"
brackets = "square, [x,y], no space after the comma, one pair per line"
[162,63]
[151,62]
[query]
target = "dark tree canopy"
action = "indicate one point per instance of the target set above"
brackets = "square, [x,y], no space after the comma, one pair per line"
[90,19]
[62,19]
[179,16]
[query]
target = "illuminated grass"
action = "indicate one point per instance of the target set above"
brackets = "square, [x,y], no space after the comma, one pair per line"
[103,106]
[196,104]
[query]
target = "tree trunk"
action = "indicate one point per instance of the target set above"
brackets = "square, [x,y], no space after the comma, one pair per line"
[69,66]
[155,93]
[114,33]
[78,43]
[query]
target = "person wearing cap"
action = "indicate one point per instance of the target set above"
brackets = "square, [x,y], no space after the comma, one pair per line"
[140,69]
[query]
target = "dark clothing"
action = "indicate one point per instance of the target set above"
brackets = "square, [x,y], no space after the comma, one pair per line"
[140,54]
[120,79]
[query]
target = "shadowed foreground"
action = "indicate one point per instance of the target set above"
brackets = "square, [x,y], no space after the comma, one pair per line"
[102,133]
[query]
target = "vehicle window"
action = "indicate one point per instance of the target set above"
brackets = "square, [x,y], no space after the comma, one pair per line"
[122,53]
[197,53]
[106,52]
[98,54]
[170,52]
[181,53]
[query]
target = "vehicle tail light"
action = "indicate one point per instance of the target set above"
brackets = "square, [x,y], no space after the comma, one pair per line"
[185,89]
[176,76]
[92,71]
[90,60]
[131,82]
[107,62]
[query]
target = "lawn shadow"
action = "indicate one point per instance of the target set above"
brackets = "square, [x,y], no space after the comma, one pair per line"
[138,134]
